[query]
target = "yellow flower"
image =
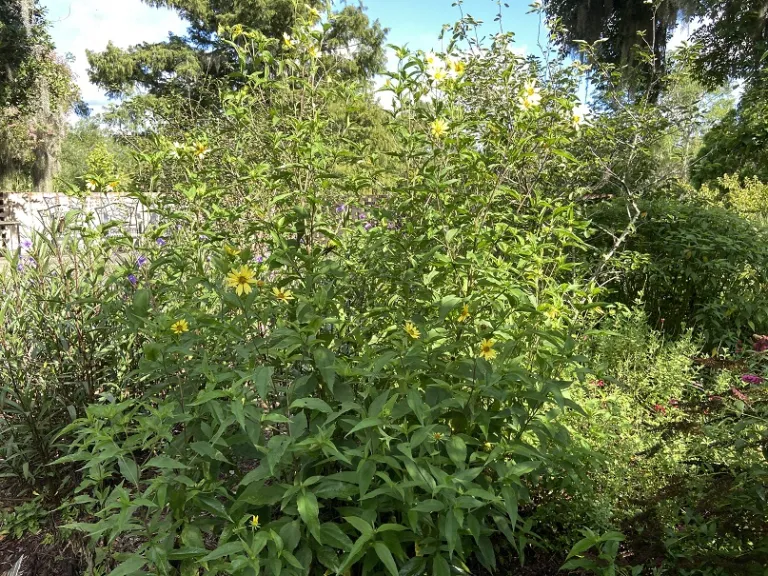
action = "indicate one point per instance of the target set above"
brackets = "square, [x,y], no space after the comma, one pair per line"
[231,250]
[458,67]
[432,60]
[255,521]
[531,96]
[241,280]
[180,326]
[412,331]
[486,349]
[201,150]
[282,295]
[464,313]
[438,74]
[439,128]
[314,52]
[287,40]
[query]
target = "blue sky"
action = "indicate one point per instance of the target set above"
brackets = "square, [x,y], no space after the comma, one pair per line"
[79,25]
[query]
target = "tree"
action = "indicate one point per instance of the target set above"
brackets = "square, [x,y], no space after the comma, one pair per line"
[692,110]
[731,40]
[36,91]
[738,144]
[183,64]
[631,32]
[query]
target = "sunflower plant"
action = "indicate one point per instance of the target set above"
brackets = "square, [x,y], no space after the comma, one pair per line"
[370,383]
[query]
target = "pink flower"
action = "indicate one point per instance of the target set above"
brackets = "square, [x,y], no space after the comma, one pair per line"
[752,379]
[600,384]
[660,409]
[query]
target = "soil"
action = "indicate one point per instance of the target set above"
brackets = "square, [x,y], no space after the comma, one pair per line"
[40,559]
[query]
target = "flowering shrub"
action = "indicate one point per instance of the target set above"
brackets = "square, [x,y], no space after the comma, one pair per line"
[373,387]
[364,340]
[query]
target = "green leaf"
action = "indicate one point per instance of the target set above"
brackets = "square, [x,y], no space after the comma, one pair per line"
[365,474]
[451,534]
[356,552]
[130,470]
[165,463]
[361,525]
[447,304]
[227,549]
[429,506]
[308,509]
[522,468]
[414,567]
[205,449]
[262,380]
[325,361]
[510,503]
[440,566]
[390,528]
[486,553]
[213,506]
[386,558]
[276,448]
[313,404]
[129,567]
[141,301]
[238,410]
[259,473]
[332,535]
[366,423]
[186,553]
[291,535]
[457,450]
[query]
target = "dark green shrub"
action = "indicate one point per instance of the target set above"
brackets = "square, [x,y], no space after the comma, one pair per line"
[698,267]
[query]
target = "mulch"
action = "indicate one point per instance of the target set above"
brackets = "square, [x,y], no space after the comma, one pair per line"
[41,559]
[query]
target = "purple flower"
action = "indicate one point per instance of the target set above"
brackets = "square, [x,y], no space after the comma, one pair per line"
[368,226]
[20,266]
[161,242]
[133,280]
[141,261]
[761,344]
[341,208]
[26,244]
[362,216]
[752,379]
[261,257]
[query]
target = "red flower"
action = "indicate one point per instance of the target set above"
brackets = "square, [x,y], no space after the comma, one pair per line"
[600,384]
[660,409]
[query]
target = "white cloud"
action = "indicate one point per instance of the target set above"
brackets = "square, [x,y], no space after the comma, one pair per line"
[80,25]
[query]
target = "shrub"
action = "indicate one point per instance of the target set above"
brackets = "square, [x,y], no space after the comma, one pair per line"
[369,386]
[59,349]
[699,267]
